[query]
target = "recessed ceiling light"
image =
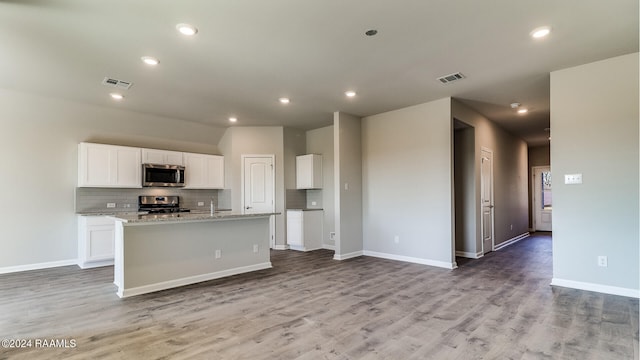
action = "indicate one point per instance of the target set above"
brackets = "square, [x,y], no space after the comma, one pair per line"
[187,29]
[116,96]
[284,100]
[350,93]
[150,60]
[522,111]
[540,32]
[233,119]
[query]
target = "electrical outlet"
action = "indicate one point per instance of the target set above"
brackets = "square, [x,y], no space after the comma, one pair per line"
[218,254]
[126,206]
[111,205]
[332,235]
[511,226]
[396,239]
[200,203]
[313,203]
[602,261]
[255,248]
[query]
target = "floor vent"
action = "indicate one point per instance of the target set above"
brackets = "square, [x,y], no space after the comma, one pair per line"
[451,78]
[120,84]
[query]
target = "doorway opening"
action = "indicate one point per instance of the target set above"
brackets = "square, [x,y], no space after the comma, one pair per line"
[542,198]
[464,177]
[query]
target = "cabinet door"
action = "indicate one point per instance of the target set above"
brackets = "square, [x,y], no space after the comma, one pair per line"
[304,169]
[100,242]
[164,157]
[195,172]
[174,158]
[150,156]
[204,171]
[294,229]
[128,167]
[94,165]
[96,241]
[215,172]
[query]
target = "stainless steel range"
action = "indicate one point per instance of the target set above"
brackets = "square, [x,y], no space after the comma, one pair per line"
[160,204]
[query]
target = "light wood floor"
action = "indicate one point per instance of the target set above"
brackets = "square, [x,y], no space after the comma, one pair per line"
[312,307]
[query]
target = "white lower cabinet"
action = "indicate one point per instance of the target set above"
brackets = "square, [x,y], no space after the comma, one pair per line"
[96,236]
[304,229]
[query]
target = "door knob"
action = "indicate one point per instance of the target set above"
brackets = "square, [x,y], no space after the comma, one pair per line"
[248,207]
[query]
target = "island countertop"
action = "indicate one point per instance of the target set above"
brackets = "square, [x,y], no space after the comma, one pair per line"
[148,219]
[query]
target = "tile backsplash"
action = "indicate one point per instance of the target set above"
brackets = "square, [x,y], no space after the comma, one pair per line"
[296,199]
[96,199]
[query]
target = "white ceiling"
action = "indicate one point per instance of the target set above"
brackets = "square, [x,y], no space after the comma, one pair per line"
[248,53]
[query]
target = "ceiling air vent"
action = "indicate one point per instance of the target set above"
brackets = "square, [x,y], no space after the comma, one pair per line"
[451,78]
[120,84]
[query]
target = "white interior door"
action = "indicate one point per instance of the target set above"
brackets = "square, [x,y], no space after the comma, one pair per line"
[258,189]
[542,198]
[486,199]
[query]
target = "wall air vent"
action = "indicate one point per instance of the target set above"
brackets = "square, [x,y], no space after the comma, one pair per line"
[120,84]
[451,78]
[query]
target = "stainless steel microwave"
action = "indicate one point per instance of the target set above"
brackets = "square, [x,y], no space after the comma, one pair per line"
[162,175]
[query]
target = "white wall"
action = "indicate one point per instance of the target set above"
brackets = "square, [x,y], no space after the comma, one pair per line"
[509,175]
[407,184]
[594,127]
[348,183]
[320,141]
[255,140]
[39,138]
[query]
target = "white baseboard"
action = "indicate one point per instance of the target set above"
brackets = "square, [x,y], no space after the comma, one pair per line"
[281,247]
[329,247]
[469,255]
[441,264]
[190,280]
[89,265]
[511,241]
[38,266]
[347,256]
[605,289]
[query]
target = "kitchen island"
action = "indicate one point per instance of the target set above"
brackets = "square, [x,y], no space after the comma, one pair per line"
[157,252]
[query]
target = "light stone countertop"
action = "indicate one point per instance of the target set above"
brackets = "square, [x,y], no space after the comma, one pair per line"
[109,213]
[149,219]
[305,209]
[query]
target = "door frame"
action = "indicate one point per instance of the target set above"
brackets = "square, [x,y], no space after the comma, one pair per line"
[493,212]
[272,220]
[534,200]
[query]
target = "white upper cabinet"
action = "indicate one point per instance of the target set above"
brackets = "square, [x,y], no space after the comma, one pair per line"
[309,171]
[102,165]
[163,157]
[203,171]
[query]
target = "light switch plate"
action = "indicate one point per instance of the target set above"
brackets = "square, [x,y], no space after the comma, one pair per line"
[572,179]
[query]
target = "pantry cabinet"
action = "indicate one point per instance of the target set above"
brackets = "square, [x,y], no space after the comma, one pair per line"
[162,157]
[309,171]
[203,171]
[102,165]
[96,236]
